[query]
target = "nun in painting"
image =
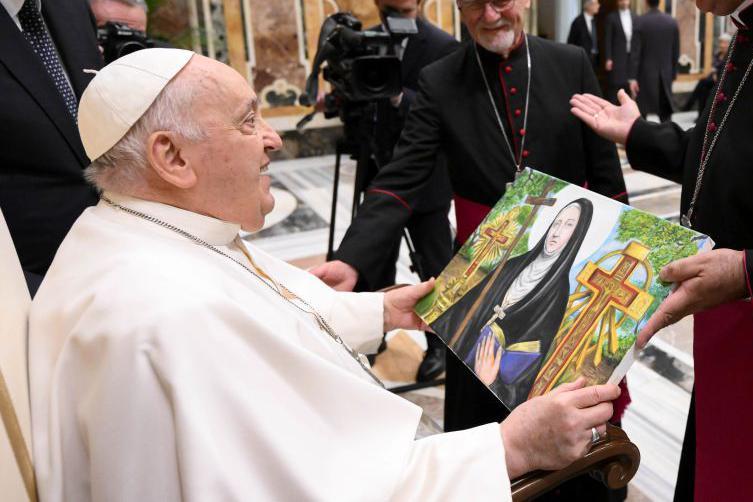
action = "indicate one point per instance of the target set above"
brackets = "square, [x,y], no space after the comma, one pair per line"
[507,339]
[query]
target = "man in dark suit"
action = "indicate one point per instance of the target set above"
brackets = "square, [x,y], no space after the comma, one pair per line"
[618,35]
[583,31]
[473,107]
[42,188]
[655,49]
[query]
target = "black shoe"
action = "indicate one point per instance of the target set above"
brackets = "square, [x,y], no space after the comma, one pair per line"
[432,366]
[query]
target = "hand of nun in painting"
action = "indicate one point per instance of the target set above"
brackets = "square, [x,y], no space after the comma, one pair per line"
[703,281]
[337,274]
[399,304]
[552,431]
[487,361]
[607,120]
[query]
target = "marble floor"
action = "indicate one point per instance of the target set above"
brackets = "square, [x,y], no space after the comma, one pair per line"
[660,382]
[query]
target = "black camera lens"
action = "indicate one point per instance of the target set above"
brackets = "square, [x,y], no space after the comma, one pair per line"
[128,47]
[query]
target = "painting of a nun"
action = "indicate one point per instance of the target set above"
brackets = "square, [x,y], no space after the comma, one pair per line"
[509,335]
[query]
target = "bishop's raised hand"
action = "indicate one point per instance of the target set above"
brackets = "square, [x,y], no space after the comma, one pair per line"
[607,120]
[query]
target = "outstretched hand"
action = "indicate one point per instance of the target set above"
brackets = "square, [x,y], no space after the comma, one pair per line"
[399,304]
[703,281]
[607,120]
[552,431]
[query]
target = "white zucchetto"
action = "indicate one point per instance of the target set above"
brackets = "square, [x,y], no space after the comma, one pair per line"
[120,94]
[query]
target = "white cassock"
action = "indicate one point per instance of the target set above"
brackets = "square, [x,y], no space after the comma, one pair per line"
[163,371]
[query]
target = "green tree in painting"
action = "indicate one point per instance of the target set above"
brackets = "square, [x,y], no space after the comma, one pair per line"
[668,242]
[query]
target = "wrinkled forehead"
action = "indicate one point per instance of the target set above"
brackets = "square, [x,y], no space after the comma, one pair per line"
[220,91]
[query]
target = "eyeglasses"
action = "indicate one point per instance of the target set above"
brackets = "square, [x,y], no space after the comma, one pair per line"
[478,6]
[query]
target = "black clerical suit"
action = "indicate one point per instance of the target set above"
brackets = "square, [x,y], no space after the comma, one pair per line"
[616,50]
[42,188]
[428,225]
[581,36]
[452,115]
[724,211]
[655,50]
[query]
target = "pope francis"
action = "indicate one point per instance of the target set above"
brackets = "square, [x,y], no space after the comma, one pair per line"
[171,361]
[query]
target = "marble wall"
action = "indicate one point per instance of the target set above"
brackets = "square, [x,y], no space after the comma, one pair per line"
[689,19]
[273,43]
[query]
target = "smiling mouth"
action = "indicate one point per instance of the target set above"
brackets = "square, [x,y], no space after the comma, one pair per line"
[264,169]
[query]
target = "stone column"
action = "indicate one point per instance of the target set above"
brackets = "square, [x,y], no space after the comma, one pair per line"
[565,11]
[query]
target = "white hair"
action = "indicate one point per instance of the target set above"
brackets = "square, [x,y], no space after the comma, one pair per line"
[122,165]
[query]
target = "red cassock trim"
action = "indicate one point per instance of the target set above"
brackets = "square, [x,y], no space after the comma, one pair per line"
[393,195]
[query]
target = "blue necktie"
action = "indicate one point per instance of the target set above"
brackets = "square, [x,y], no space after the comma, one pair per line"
[36,33]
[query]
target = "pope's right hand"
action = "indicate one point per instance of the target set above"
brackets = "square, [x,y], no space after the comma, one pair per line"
[607,120]
[552,431]
[337,274]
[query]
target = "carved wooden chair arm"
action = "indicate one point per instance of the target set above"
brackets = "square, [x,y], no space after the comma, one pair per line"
[614,460]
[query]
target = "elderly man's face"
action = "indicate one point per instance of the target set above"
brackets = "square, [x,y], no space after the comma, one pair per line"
[496,25]
[118,12]
[232,163]
[719,7]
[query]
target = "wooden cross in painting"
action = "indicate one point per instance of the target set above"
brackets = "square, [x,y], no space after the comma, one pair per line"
[607,293]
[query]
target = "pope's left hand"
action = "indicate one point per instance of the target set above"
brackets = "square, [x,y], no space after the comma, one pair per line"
[703,281]
[399,304]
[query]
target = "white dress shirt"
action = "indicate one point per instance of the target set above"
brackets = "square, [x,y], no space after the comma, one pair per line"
[626,18]
[14,6]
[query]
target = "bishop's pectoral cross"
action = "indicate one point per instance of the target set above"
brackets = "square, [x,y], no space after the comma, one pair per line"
[607,293]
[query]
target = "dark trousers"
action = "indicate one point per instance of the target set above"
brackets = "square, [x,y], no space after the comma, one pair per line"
[665,107]
[614,89]
[685,487]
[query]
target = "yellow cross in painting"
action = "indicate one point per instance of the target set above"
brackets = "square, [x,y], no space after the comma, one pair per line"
[606,294]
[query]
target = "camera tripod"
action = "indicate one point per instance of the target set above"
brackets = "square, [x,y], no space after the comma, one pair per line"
[359,126]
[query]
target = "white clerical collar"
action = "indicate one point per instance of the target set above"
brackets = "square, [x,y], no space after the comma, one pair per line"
[736,15]
[213,231]
[14,6]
